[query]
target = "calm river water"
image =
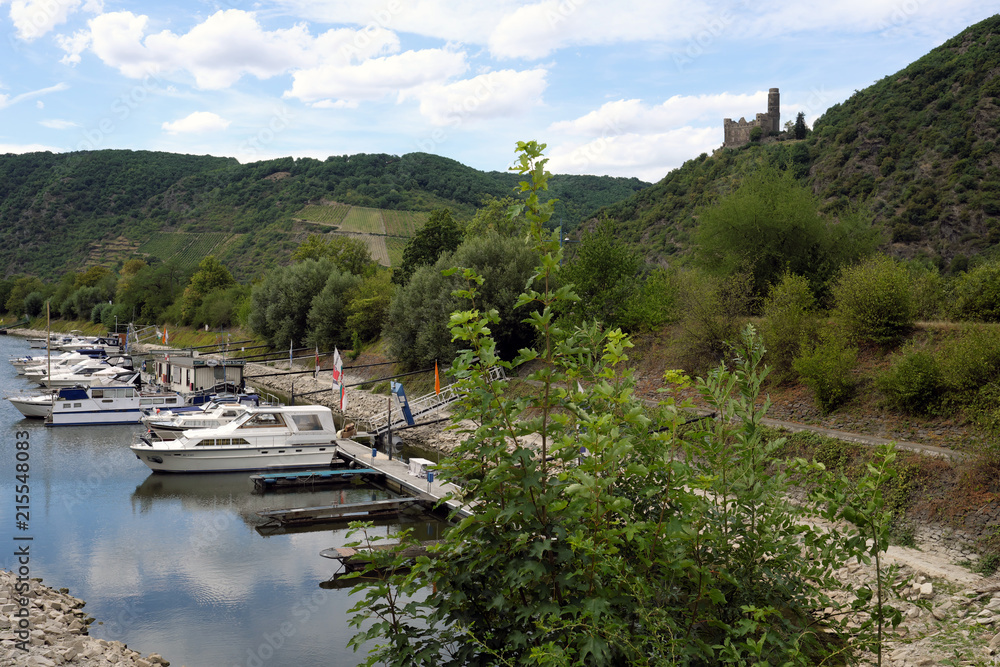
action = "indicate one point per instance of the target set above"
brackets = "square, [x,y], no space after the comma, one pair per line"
[174,564]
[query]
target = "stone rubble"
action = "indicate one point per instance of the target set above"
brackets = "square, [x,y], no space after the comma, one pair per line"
[57,630]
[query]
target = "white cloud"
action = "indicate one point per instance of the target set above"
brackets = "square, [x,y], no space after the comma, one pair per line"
[637,116]
[646,156]
[375,78]
[58,124]
[199,121]
[492,95]
[6,101]
[221,49]
[34,18]
[17,149]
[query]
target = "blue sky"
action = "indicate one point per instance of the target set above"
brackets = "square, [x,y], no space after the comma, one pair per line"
[625,88]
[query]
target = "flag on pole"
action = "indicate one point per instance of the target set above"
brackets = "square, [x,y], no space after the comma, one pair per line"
[166,336]
[289,354]
[316,371]
[437,378]
[337,383]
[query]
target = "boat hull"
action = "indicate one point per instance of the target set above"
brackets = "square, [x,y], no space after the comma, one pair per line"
[235,459]
[32,408]
[94,417]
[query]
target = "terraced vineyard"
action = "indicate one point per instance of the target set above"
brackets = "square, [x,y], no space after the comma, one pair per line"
[363,221]
[394,248]
[326,214]
[184,248]
[403,223]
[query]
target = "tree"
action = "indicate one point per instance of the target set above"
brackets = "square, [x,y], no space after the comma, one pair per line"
[771,225]
[800,125]
[416,329]
[211,276]
[873,301]
[280,303]
[327,319]
[494,215]
[756,133]
[601,535]
[23,286]
[349,255]
[605,274]
[439,235]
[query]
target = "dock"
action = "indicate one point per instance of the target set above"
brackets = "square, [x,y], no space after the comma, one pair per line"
[356,559]
[343,512]
[265,481]
[398,478]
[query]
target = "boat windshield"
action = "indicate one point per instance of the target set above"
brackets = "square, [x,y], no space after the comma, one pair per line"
[262,420]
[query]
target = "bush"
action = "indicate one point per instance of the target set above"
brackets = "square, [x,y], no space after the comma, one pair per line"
[788,321]
[826,368]
[874,302]
[976,294]
[971,360]
[913,382]
[714,311]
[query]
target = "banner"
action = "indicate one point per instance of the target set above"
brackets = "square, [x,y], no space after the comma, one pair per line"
[437,379]
[337,383]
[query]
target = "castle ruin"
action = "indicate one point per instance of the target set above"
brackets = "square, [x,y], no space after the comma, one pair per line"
[738,133]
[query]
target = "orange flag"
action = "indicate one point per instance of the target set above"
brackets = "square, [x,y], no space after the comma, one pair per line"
[437,379]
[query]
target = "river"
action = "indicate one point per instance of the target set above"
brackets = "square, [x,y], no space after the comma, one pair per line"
[174,564]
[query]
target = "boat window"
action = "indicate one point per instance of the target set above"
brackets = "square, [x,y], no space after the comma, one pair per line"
[230,413]
[263,420]
[97,393]
[206,443]
[307,422]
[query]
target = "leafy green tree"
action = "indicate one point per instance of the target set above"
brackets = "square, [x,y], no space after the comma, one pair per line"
[146,296]
[655,303]
[825,366]
[789,320]
[34,304]
[976,294]
[280,303]
[605,275]
[771,225]
[439,235]
[327,319]
[494,215]
[874,302]
[800,125]
[368,308]
[416,329]
[603,536]
[211,276]
[349,255]
[23,286]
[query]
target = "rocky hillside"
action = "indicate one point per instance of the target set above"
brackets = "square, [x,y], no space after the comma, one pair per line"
[919,147]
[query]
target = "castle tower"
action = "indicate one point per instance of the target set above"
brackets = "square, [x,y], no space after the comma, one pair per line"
[774,109]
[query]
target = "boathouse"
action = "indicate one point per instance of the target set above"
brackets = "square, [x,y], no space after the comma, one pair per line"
[187,371]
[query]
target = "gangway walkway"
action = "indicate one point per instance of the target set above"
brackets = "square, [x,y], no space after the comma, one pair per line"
[404,412]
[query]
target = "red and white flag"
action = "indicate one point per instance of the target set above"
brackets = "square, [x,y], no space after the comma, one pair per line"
[316,370]
[337,384]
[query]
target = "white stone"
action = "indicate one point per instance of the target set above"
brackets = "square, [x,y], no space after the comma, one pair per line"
[926,590]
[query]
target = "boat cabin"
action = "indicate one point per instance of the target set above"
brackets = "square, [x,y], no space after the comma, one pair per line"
[186,371]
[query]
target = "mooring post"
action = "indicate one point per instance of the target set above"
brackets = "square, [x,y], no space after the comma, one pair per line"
[388,436]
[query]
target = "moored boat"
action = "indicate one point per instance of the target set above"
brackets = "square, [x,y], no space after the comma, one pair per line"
[266,438]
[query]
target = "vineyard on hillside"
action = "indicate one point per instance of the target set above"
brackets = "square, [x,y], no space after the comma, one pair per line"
[394,249]
[184,248]
[363,221]
[403,223]
[326,214]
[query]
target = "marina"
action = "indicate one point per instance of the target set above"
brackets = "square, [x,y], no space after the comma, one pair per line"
[178,564]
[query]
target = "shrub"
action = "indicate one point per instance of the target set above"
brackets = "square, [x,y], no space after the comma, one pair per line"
[826,368]
[788,321]
[971,360]
[874,301]
[976,294]
[913,382]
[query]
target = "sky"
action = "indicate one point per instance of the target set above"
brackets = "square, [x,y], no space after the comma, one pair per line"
[627,88]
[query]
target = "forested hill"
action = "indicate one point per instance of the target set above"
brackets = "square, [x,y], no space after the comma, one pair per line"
[919,147]
[67,211]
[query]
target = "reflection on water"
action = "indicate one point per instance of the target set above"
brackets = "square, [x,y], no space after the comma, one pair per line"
[175,564]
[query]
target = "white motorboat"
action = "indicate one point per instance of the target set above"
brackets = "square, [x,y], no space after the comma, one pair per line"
[84,375]
[39,363]
[172,426]
[266,438]
[33,406]
[38,343]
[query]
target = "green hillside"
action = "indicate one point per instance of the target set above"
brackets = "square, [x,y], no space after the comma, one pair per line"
[918,147]
[63,212]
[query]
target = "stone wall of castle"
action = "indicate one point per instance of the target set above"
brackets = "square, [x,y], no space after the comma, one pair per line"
[738,133]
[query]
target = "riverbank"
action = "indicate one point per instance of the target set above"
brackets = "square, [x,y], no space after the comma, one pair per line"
[44,627]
